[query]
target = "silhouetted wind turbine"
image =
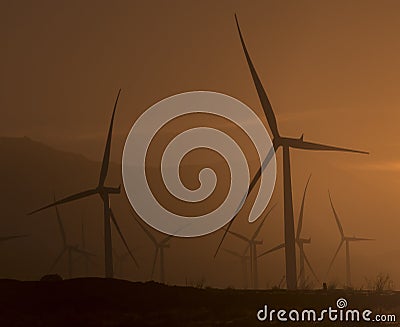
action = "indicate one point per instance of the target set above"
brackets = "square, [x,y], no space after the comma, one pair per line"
[67,248]
[244,260]
[286,143]
[159,250]
[104,192]
[86,257]
[347,240]
[274,249]
[252,245]
[301,241]
[120,259]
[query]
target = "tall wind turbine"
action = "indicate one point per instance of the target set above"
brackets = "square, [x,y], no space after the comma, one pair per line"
[160,246]
[252,245]
[67,248]
[244,260]
[104,193]
[286,143]
[301,241]
[347,240]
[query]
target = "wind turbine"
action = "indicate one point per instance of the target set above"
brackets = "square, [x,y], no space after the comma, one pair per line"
[301,241]
[274,249]
[347,240]
[119,261]
[244,260]
[160,246]
[252,245]
[86,257]
[286,143]
[67,248]
[104,193]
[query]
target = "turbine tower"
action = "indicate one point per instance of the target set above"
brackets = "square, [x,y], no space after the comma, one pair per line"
[252,245]
[244,261]
[301,241]
[160,246]
[286,143]
[67,248]
[104,193]
[347,240]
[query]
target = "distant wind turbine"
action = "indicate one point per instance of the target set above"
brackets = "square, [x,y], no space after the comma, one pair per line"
[67,248]
[347,240]
[160,246]
[274,249]
[88,259]
[244,261]
[120,259]
[104,193]
[301,241]
[286,143]
[252,245]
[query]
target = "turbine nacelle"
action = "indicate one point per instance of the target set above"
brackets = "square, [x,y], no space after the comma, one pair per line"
[104,190]
[356,239]
[304,240]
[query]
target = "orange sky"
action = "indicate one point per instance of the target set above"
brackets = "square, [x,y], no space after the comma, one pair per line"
[331,69]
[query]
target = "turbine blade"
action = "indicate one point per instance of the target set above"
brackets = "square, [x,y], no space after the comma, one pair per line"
[122,237]
[86,253]
[334,257]
[262,222]
[355,239]
[83,234]
[309,266]
[336,217]
[276,248]
[240,236]
[70,198]
[60,225]
[6,238]
[300,223]
[235,254]
[254,181]
[107,150]
[62,231]
[57,260]
[154,263]
[246,249]
[300,144]
[262,94]
[166,239]
[147,232]
[300,272]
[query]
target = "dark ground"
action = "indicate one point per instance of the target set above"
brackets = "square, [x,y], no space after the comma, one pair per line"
[109,302]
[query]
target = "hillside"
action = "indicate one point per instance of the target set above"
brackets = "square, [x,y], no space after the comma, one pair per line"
[102,302]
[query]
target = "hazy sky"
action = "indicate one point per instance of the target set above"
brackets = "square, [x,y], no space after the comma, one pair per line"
[331,69]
